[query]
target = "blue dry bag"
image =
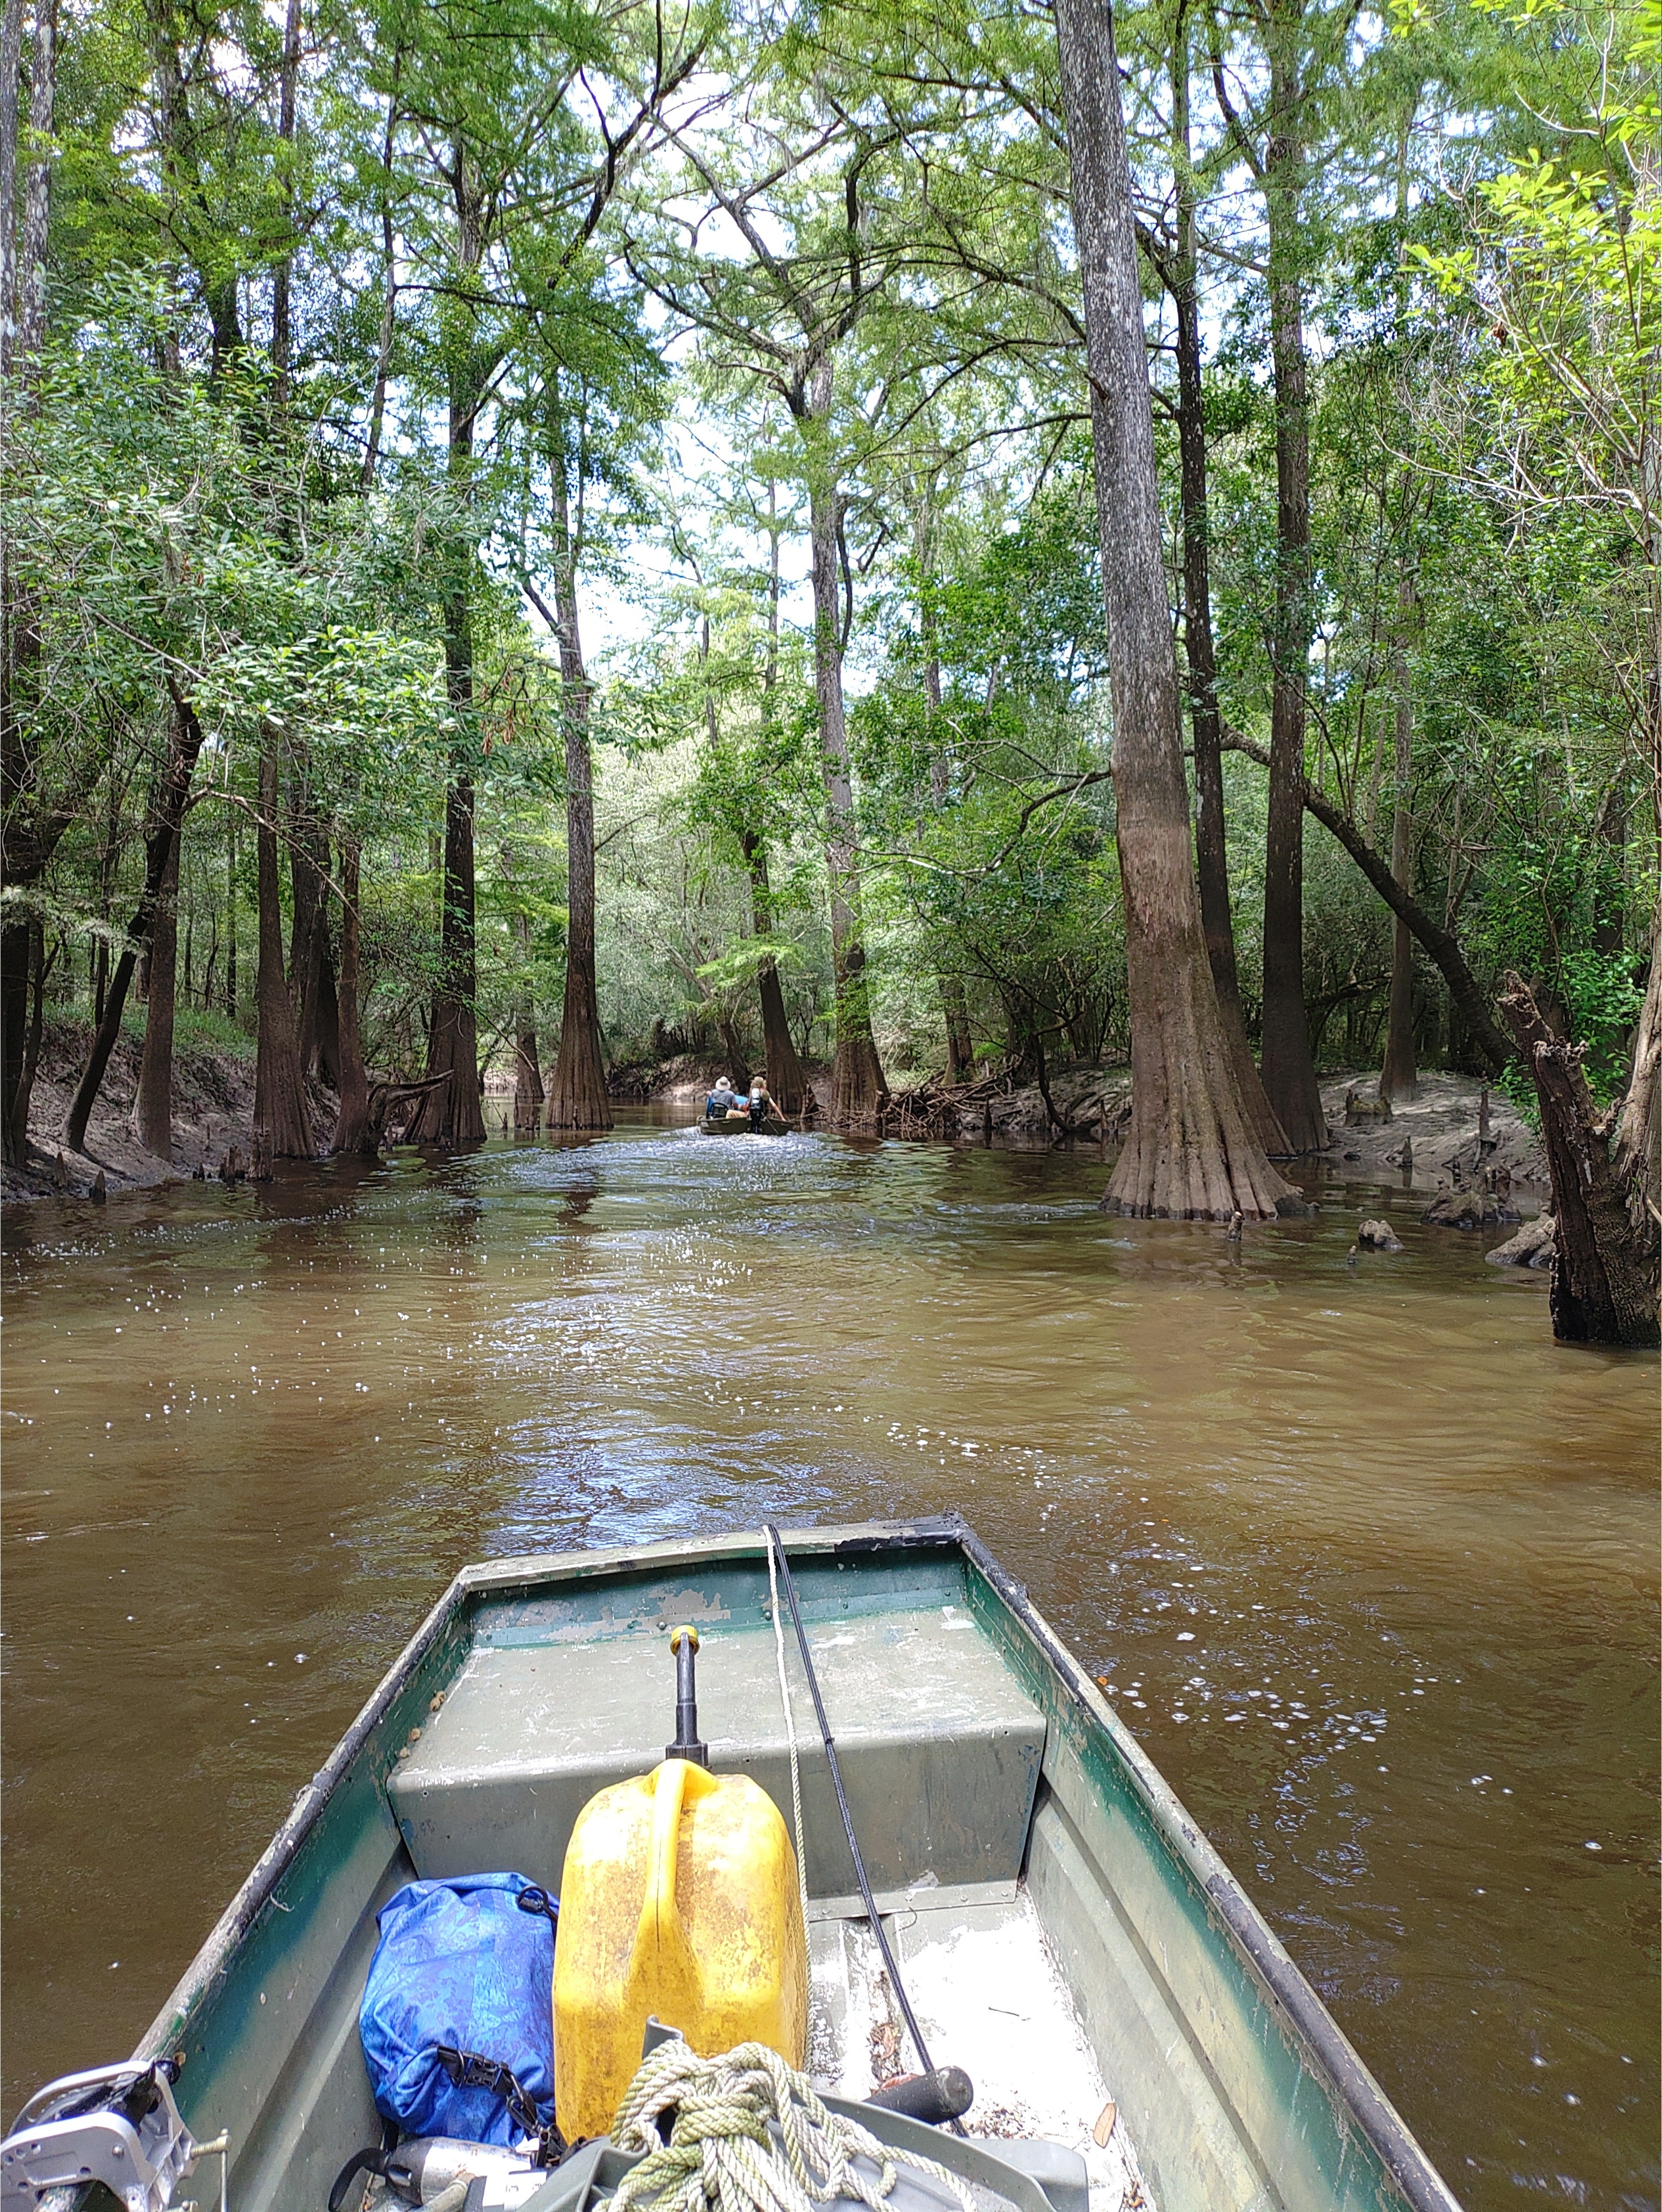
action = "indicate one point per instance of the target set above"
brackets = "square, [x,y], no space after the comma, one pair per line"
[457,2019]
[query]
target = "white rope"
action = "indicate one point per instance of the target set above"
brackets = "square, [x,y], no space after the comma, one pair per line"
[790,1736]
[747,2134]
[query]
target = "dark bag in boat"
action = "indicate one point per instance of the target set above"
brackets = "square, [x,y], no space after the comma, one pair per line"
[456,2020]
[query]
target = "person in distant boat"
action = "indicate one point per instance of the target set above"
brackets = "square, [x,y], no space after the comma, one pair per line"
[721,1100]
[761,1102]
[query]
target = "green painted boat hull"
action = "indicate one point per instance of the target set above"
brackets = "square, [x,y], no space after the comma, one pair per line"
[1239,2090]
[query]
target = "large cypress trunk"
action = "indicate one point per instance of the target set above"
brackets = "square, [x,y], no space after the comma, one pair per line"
[325,1016]
[735,1058]
[780,1057]
[1289,1073]
[23,858]
[308,865]
[1399,1077]
[960,1040]
[22,862]
[186,743]
[955,1003]
[858,1085]
[786,1080]
[153,1108]
[352,1133]
[528,1069]
[718,1004]
[16,950]
[1211,851]
[230,913]
[302,922]
[453,1113]
[33,974]
[578,1099]
[281,1116]
[26,846]
[1191,1151]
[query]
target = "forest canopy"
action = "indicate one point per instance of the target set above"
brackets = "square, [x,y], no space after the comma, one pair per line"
[549,536]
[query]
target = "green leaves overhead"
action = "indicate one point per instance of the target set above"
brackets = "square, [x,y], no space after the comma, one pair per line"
[625,289]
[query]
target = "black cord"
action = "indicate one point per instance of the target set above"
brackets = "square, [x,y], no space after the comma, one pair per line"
[362,2161]
[777,1542]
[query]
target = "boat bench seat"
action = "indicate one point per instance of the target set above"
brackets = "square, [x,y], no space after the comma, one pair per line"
[939,1745]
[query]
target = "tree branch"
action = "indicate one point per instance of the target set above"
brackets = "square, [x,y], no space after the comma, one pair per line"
[1440,945]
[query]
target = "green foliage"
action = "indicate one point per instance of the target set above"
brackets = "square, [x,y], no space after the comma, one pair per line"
[527,355]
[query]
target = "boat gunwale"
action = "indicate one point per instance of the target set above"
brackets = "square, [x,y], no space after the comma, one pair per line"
[1283,1980]
[1330,2052]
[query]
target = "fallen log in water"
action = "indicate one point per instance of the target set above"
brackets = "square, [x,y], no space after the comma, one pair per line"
[933,1110]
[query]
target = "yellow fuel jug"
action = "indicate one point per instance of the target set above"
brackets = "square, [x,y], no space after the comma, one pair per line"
[680,1901]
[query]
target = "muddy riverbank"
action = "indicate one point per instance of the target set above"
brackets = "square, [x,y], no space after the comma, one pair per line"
[1442,1125]
[214,1095]
[213,1109]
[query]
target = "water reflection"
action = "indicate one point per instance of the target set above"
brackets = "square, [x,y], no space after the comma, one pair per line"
[1369,1566]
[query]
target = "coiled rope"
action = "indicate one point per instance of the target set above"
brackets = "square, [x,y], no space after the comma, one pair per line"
[722,2152]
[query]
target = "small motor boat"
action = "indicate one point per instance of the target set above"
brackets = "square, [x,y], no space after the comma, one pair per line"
[738,1125]
[991,1866]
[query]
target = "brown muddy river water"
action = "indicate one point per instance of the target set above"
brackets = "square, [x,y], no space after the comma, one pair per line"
[1371,1568]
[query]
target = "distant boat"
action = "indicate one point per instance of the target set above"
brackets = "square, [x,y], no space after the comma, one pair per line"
[732,1125]
[1135,2034]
